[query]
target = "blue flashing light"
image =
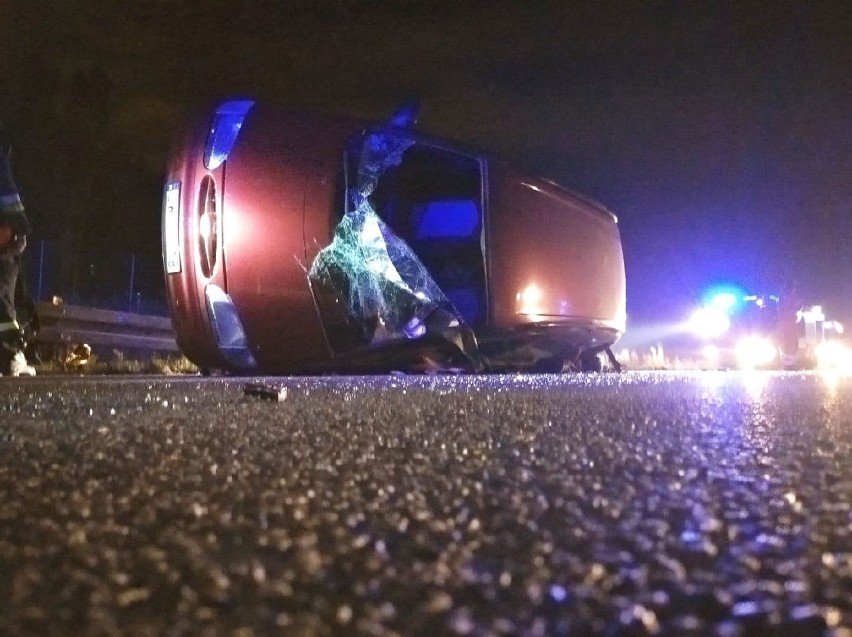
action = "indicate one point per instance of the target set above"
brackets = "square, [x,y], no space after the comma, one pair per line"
[226,126]
[726,297]
[724,301]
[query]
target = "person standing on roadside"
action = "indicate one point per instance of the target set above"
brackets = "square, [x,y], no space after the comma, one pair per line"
[789,306]
[14,228]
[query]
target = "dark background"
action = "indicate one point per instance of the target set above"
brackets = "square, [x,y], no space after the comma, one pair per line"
[720,135]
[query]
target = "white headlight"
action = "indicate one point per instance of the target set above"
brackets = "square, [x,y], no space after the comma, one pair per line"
[709,322]
[711,353]
[755,351]
[835,355]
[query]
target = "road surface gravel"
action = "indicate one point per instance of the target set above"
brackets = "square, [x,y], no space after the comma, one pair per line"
[656,503]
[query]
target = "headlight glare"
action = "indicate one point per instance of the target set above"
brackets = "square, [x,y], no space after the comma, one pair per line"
[833,355]
[708,322]
[755,351]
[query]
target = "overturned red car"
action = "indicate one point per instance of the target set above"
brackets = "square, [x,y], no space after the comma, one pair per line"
[295,242]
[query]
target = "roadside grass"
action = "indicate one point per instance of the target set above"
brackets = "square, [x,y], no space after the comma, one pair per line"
[118,362]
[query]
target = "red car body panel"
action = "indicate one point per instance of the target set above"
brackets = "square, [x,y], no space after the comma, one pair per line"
[550,267]
[558,247]
[185,289]
[273,208]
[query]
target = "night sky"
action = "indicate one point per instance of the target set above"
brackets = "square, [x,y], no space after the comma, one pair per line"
[719,133]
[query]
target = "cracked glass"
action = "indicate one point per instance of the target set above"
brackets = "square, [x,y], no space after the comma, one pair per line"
[384,287]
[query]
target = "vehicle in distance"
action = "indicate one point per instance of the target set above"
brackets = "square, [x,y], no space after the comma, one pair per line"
[751,332]
[297,242]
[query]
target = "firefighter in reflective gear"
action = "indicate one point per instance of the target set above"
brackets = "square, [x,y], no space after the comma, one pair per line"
[14,228]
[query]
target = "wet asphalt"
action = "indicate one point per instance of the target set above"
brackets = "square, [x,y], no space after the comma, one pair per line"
[617,505]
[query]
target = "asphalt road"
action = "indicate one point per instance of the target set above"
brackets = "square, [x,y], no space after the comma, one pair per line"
[643,503]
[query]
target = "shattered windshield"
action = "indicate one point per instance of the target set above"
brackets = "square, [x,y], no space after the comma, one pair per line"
[383,285]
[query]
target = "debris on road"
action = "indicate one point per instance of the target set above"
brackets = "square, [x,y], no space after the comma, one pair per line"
[266,392]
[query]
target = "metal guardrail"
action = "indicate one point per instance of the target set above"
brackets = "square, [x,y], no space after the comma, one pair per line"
[74,324]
